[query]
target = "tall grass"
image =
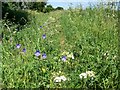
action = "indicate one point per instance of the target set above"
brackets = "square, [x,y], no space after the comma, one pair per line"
[87,38]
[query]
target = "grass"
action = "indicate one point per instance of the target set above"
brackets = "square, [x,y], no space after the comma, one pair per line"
[88,38]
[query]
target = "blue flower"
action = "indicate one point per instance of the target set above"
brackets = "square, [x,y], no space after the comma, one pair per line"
[64,58]
[44,56]
[18,45]
[24,50]
[37,53]
[40,26]
[44,36]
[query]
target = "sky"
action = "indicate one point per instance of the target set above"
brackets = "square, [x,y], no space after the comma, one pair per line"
[66,3]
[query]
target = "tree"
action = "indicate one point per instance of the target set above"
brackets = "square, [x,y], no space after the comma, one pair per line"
[13,10]
[39,6]
[49,8]
[59,8]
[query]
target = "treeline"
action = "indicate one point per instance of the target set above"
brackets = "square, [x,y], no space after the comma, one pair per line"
[17,11]
[39,6]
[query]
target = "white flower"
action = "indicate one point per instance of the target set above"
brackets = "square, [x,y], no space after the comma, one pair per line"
[70,56]
[57,79]
[73,57]
[90,73]
[60,72]
[83,75]
[114,57]
[63,78]
[87,74]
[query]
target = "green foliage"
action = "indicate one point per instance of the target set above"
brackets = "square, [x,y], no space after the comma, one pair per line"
[89,35]
[39,6]
[13,11]
[12,5]
[48,8]
[14,14]
[59,8]
[17,16]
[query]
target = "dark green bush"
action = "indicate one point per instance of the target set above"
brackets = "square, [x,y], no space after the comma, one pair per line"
[59,8]
[15,13]
[39,6]
[48,9]
[17,16]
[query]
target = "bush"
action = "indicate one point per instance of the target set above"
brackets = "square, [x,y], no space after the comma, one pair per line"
[18,17]
[39,6]
[14,15]
[49,8]
[59,8]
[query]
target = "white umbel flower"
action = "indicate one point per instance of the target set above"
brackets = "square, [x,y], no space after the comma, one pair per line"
[90,73]
[57,79]
[87,74]
[83,75]
[63,78]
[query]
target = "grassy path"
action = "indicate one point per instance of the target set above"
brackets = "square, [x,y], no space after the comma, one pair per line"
[76,44]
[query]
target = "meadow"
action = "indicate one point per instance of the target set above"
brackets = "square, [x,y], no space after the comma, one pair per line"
[73,48]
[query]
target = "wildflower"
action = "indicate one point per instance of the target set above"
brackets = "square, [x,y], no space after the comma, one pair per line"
[83,75]
[90,73]
[44,36]
[18,45]
[40,26]
[60,72]
[44,56]
[24,50]
[65,53]
[70,55]
[59,79]
[37,53]
[73,57]
[106,54]
[64,58]
[63,78]
[114,57]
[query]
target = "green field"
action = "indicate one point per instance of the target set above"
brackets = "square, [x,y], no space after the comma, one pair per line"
[79,45]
